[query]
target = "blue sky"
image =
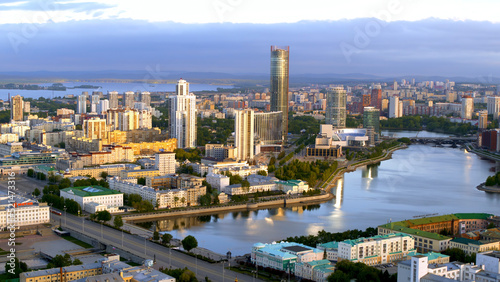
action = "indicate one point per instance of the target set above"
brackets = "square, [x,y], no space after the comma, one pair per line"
[394,37]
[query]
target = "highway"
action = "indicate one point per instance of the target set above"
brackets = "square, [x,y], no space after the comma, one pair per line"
[146,249]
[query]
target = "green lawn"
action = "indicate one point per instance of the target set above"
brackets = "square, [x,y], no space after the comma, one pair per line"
[78,242]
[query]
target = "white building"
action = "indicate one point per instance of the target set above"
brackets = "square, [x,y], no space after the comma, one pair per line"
[467,107]
[94,195]
[218,181]
[165,162]
[103,106]
[318,270]
[128,99]
[493,106]
[22,212]
[244,134]
[94,101]
[81,104]
[183,116]
[113,99]
[394,107]
[292,186]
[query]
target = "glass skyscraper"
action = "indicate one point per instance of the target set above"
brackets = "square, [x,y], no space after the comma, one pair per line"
[336,98]
[279,84]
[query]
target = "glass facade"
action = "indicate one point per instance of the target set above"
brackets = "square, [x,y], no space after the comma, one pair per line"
[371,118]
[279,84]
[336,99]
[268,127]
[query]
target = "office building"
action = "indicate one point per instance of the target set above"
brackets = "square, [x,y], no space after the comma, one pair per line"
[113,99]
[81,104]
[244,134]
[128,99]
[467,107]
[395,108]
[268,128]
[376,97]
[165,162]
[145,98]
[336,98]
[493,106]
[371,118]
[279,84]
[17,108]
[483,120]
[183,116]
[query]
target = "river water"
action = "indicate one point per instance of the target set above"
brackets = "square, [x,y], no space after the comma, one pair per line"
[104,88]
[416,181]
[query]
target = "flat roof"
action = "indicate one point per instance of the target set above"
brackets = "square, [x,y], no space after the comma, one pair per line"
[90,191]
[415,232]
[296,249]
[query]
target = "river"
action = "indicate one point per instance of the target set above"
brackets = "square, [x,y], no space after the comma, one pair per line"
[416,181]
[105,87]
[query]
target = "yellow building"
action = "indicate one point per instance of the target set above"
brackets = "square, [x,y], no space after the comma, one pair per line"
[95,128]
[470,246]
[17,108]
[142,173]
[150,148]
[68,273]
[112,170]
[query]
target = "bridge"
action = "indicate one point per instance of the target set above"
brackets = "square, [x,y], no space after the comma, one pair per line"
[452,140]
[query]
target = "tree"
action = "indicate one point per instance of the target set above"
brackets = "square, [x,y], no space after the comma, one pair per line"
[103,215]
[262,172]
[31,172]
[156,236]
[60,261]
[36,193]
[141,181]
[166,238]
[133,198]
[104,174]
[118,221]
[77,262]
[189,243]
[15,268]
[187,276]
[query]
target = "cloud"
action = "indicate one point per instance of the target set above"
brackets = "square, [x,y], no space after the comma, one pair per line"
[53,5]
[427,47]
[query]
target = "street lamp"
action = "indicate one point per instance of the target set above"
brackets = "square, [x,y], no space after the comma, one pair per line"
[122,238]
[145,240]
[65,216]
[101,229]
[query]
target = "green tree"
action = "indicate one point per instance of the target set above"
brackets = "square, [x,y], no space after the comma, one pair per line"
[60,261]
[262,172]
[77,262]
[15,268]
[31,172]
[36,193]
[189,243]
[166,238]
[188,276]
[104,174]
[118,221]
[103,215]
[156,236]
[141,181]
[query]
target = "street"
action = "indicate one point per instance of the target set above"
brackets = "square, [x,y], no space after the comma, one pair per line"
[144,248]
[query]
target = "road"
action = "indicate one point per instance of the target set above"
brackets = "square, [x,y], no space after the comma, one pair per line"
[146,249]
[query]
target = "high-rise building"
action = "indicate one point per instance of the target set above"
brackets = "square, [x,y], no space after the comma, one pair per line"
[95,128]
[366,100]
[27,107]
[17,108]
[183,116]
[279,84]
[493,106]
[376,97]
[395,86]
[244,134]
[268,128]
[128,99]
[467,107]
[336,98]
[94,102]
[103,106]
[146,98]
[371,118]
[81,104]
[113,99]
[483,120]
[394,107]
[165,162]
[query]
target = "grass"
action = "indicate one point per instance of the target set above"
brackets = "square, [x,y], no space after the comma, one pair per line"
[78,242]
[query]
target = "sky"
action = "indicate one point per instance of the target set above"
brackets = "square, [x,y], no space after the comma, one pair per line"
[386,38]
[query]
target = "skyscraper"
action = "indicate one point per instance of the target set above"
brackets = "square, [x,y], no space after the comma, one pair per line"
[268,128]
[244,134]
[394,107]
[128,99]
[81,104]
[279,84]
[17,108]
[371,118]
[183,116]
[467,107]
[336,98]
[113,99]
[376,97]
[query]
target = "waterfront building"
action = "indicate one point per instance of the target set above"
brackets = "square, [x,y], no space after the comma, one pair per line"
[128,99]
[22,212]
[317,271]
[113,99]
[268,129]
[371,118]
[218,181]
[244,134]
[279,84]
[292,186]
[16,108]
[165,162]
[183,116]
[94,198]
[336,98]
[81,104]
[283,256]
[493,106]
[467,107]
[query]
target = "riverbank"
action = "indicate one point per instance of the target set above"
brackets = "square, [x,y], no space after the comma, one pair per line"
[327,186]
[284,202]
[489,189]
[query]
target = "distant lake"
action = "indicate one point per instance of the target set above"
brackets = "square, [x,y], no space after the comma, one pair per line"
[105,87]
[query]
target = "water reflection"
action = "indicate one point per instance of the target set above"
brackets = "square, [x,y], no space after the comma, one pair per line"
[370,171]
[339,193]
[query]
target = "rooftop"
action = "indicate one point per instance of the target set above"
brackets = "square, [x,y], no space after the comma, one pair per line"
[466,241]
[414,232]
[53,271]
[90,191]
[296,249]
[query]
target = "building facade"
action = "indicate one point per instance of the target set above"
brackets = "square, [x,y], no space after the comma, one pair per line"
[17,112]
[279,84]
[183,116]
[244,134]
[165,162]
[336,99]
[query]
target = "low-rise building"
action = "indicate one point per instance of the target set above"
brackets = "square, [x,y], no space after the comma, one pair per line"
[292,186]
[470,246]
[7,149]
[139,173]
[318,270]
[218,181]
[283,256]
[68,273]
[22,212]
[332,250]
[424,241]
[112,170]
[25,158]
[89,196]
